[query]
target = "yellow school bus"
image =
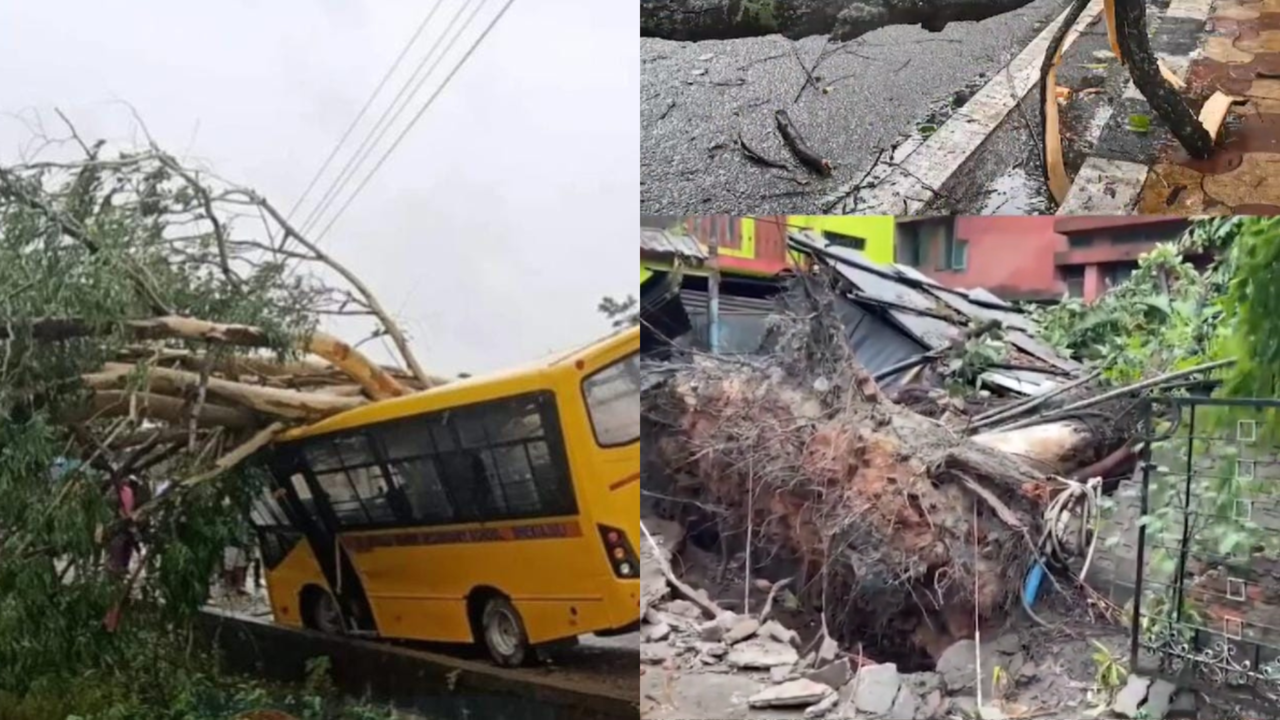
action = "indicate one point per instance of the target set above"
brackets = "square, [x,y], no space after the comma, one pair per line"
[500,510]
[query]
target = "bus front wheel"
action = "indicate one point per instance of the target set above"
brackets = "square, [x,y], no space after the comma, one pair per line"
[324,613]
[504,633]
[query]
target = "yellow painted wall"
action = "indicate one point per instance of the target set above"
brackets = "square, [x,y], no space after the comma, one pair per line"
[877,229]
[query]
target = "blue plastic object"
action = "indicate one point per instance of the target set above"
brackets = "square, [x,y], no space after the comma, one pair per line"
[1031,585]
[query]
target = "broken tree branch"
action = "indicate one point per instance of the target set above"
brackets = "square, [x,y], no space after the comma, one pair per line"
[798,146]
[1131,28]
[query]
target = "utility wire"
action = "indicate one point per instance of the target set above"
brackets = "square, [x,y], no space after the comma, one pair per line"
[462,61]
[376,133]
[367,104]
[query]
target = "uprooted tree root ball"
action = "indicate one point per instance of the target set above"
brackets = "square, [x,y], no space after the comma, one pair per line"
[901,527]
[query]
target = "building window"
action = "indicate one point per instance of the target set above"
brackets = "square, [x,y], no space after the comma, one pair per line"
[1079,242]
[955,254]
[846,241]
[910,251]
[1073,278]
[1115,274]
[958,252]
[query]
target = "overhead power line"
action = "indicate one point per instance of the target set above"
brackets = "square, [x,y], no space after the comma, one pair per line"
[413,121]
[379,129]
[367,104]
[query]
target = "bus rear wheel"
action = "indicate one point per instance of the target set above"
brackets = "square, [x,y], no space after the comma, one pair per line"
[503,632]
[325,615]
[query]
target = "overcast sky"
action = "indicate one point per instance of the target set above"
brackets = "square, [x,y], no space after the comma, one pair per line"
[495,227]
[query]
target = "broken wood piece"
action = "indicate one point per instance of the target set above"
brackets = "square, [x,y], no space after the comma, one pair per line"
[688,593]
[1056,445]
[1059,183]
[1170,76]
[1002,511]
[1214,113]
[768,601]
[1109,12]
[798,146]
[757,157]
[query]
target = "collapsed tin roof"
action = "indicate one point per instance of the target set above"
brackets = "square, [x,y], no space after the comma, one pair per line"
[893,312]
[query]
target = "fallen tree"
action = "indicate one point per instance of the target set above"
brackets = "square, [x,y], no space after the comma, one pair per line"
[905,528]
[156,324]
[841,19]
[898,522]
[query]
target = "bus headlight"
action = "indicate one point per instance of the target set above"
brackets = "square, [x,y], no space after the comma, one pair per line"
[621,557]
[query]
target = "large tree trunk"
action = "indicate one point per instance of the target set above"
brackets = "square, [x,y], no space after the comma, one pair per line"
[116,403]
[1164,99]
[376,381]
[842,19]
[269,401]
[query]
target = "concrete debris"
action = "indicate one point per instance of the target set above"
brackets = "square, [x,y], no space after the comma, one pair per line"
[655,653]
[773,629]
[715,650]
[822,707]
[655,633]
[957,665]
[779,674]
[796,693]
[828,650]
[711,631]
[761,655]
[905,704]
[1159,697]
[836,675]
[742,629]
[877,688]
[684,609]
[1129,700]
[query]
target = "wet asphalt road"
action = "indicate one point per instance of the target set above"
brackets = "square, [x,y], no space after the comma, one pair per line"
[696,98]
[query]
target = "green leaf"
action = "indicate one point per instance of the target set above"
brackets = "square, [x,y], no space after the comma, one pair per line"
[1139,123]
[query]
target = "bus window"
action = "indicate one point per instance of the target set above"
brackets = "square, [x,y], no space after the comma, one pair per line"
[304,494]
[422,487]
[613,402]
[409,450]
[352,479]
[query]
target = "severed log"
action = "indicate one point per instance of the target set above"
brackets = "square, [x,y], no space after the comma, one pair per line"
[375,380]
[842,19]
[1055,446]
[270,401]
[115,403]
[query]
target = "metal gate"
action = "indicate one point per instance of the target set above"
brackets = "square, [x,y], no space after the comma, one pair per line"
[1206,603]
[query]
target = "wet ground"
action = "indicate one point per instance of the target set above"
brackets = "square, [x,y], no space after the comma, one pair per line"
[865,97]
[1241,57]
[1006,176]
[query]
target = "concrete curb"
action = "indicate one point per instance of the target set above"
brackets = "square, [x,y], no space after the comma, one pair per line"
[438,685]
[919,168]
[1110,181]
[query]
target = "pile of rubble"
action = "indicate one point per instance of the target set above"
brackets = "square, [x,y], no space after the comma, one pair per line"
[899,521]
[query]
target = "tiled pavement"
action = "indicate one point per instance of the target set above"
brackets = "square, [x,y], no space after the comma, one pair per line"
[1241,57]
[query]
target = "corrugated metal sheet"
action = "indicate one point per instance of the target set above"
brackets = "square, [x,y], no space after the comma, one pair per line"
[696,301]
[665,244]
[930,316]
[877,344]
